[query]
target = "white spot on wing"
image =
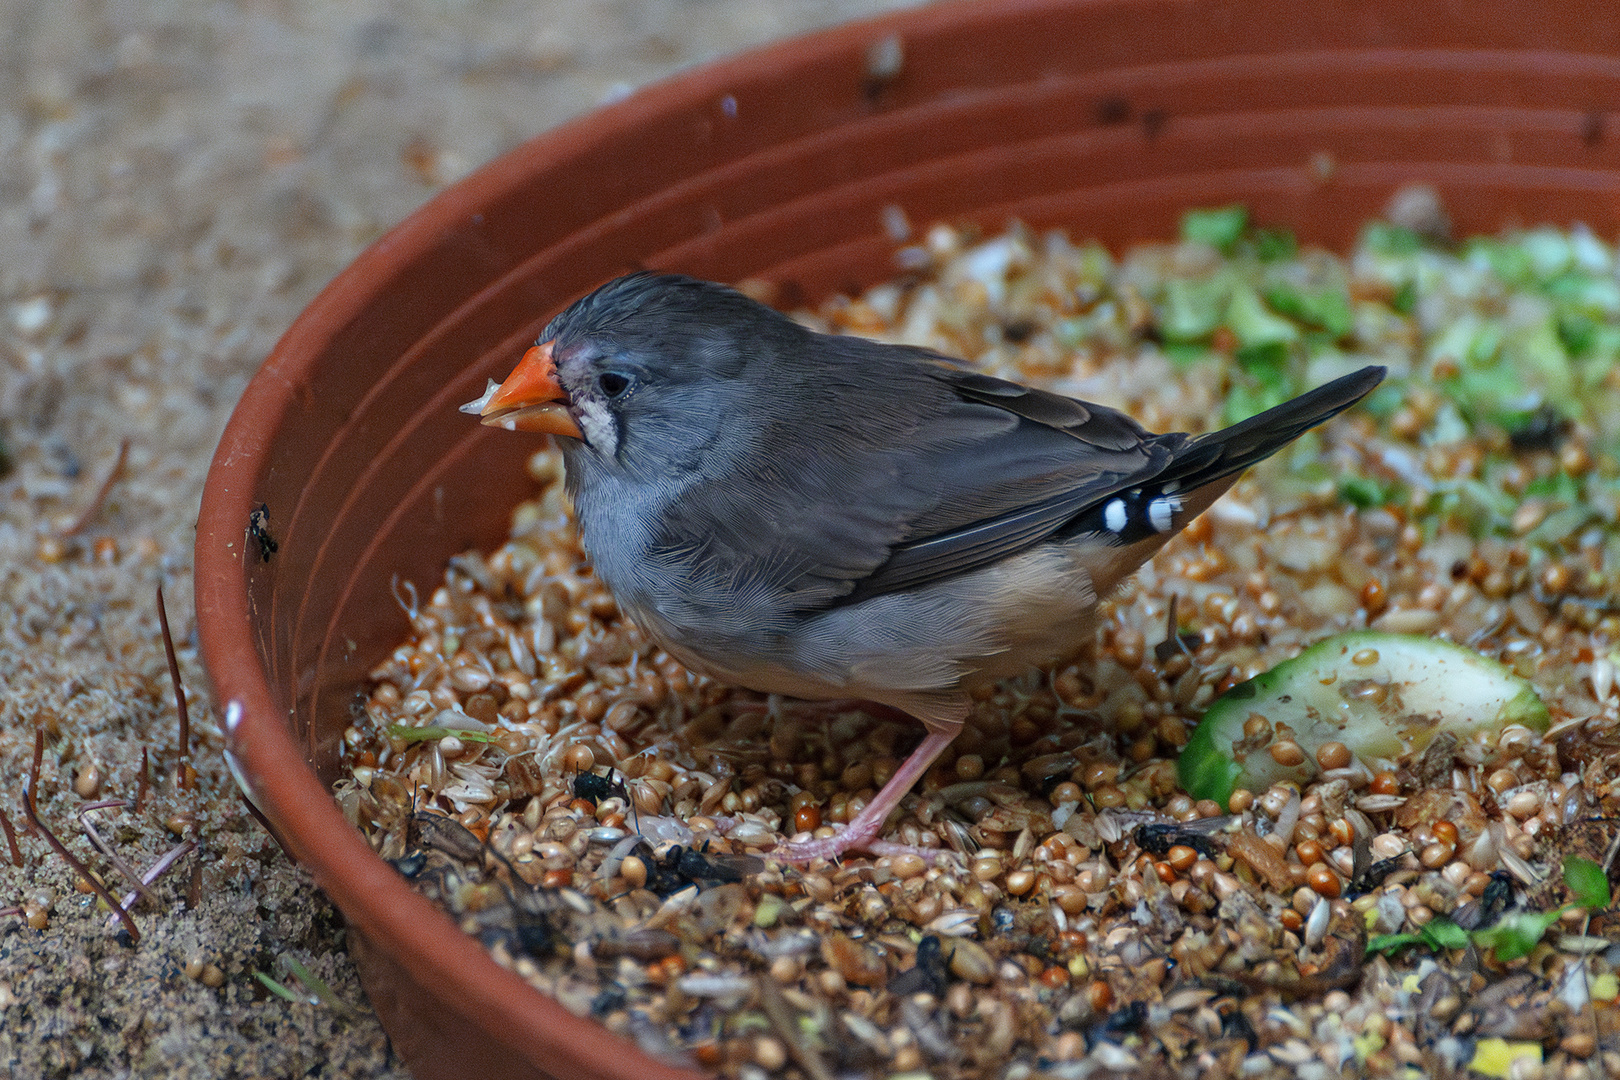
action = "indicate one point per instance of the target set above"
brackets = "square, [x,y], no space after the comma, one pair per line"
[1161,511]
[1114,516]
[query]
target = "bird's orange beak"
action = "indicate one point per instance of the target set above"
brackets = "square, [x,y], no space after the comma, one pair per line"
[531,398]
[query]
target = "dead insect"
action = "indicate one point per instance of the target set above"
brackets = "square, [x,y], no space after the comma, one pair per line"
[445,834]
[411,864]
[1544,429]
[1491,905]
[525,925]
[526,937]
[1159,839]
[681,867]
[534,934]
[1127,1020]
[1175,640]
[258,530]
[930,974]
[610,1000]
[594,788]
[1366,875]
[1235,1025]
[1374,876]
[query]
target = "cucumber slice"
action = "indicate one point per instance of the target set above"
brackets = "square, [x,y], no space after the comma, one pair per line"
[1382,695]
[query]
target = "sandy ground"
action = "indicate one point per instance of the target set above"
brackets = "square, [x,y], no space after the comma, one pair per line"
[178,179]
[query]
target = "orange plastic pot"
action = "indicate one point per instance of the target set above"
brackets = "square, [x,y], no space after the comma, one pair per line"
[1106,117]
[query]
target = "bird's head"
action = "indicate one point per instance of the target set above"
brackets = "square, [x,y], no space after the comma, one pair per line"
[642,373]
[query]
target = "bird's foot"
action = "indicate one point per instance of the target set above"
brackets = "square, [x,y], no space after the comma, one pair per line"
[837,845]
[862,833]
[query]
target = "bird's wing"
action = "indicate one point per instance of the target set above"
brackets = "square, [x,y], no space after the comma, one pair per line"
[1052,459]
[1107,455]
[961,470]
[958,471]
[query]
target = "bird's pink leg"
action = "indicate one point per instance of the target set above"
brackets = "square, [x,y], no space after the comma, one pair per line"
[862,833]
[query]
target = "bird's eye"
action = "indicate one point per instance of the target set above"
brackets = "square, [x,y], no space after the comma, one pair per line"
[612,384]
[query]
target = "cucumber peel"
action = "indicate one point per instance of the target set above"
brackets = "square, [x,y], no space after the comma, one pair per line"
[1382,695]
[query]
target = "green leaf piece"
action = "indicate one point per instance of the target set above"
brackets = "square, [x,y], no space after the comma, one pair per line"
[1587,882]
[1404,302]
[1363,492]
[1518,934]
[1192,307]
[316,985]
[1389,944]
[1442,933]
[1326,309]
[1220,227]
[1271,245]
[1382,238]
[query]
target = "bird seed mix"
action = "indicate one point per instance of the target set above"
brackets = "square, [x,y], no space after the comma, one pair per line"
[1087,883]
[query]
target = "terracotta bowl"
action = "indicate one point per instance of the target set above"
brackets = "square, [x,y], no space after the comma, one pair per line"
[1106,117]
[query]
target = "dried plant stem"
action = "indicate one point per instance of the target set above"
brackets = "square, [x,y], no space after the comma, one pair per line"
[61,849]
[264,822]
[96,503]
[155,871]
[179,693]
[145,781]
[11,839]
[194,888]
[106,849]
[33,769]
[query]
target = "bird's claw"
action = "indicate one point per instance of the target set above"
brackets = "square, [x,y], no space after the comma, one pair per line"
[836,846]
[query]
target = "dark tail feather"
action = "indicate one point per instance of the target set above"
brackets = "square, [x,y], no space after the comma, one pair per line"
[1208,458]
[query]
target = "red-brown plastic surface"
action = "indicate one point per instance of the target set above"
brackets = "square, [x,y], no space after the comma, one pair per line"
[1107,117]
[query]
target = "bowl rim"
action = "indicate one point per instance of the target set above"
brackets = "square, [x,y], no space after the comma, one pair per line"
[259,741]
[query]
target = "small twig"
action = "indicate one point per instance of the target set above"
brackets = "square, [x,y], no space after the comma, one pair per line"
[194,888]
[78,867]
[39,758]
[264,822]
[144,782]
[1609,856]
[101,845]
[179,696]
[11,839]
[94,508]
[155,871]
